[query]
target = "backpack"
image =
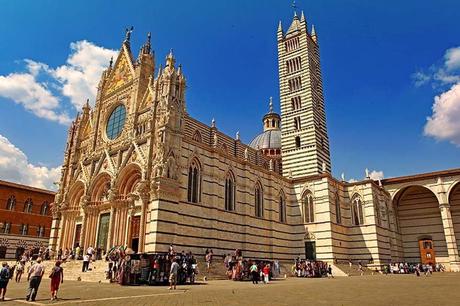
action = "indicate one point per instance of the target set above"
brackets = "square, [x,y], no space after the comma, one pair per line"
[5,273]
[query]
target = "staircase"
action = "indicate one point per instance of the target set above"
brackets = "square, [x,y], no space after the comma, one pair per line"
[216,272]
[72,270]
[346,270]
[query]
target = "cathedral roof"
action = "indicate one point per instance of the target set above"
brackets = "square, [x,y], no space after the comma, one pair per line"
[270,139]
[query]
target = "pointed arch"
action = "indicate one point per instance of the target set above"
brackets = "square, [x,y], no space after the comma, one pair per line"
[44,208]
[75,193]
[259,200]
[194,181]
[197,136]
[357,211]
[308,208]
[100,187]
[230,191]
[11,203]
[28,204]
[282,207]
[338,209]
[129,176]
[378,217]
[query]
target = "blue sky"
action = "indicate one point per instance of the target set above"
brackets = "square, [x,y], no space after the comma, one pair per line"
[381,62]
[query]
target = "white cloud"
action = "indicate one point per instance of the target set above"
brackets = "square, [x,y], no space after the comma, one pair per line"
[376,175]
[14,166]
[76,80]
[452,58]
[444,123]
[24,89]
[420,78]
[80,75]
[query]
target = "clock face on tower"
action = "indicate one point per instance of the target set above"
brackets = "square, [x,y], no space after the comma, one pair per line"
[116,122]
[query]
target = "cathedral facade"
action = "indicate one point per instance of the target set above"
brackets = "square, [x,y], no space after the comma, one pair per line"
[139,171]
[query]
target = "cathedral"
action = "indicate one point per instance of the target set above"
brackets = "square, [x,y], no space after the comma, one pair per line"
[138,171]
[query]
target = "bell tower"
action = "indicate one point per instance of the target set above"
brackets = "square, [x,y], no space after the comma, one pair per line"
[304,139]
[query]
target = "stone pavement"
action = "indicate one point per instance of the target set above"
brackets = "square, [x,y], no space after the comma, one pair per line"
[439,289]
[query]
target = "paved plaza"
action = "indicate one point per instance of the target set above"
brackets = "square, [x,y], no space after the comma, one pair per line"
[439,289]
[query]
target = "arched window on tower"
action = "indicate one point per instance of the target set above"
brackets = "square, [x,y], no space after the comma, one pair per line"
[338,210]
[308,209]
[11,203]
[28,205]
[44,208]
[282,209]
[357,211]
[297,141]
[194,182]
[258,201]
[230,192]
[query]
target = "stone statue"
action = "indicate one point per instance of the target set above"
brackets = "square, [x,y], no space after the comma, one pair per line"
[128,33]
[367,173]
[215,140]
[246,154]
[343,177]
[238,135]
[270,165]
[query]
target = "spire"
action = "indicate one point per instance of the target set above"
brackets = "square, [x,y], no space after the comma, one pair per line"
[86,107]
[313,34]
[170,61]
[302,17]
[280,27]
[270,105]
[147,46]
[295,16]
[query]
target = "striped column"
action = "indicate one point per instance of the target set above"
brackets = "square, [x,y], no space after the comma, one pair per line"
[449,233]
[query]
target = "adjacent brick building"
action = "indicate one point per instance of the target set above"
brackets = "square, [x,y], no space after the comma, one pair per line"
[25,218]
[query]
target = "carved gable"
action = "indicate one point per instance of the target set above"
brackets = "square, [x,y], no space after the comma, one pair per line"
[121,74]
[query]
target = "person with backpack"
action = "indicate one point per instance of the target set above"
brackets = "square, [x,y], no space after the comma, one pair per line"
[35,277]
[4,279]
[57,278]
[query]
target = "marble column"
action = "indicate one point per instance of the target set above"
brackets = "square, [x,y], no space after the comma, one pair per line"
[111,227]
[449,234]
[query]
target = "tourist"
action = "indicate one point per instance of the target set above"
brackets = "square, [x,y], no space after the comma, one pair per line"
[57,277]
[4,279]
[20,266]
[329,272]
[77,252]
[208,258]
[34,277]
[254,273]
[90,252]
[85,265]
[173,274]
[360,268]
[266,273]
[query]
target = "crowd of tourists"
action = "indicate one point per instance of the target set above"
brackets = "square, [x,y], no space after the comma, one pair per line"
[35,272]
[410,268]
[310,268]
[128,268]
[239,268]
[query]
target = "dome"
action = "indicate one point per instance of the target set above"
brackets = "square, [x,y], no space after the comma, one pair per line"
[270,139]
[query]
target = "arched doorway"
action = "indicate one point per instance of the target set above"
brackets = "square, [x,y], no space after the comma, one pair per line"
[454,201]
[420,224]
[129,224]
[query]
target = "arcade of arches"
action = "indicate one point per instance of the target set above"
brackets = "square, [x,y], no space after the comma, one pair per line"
[428,218]
[108,212]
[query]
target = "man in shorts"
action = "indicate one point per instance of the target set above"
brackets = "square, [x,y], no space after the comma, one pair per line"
[173,274]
